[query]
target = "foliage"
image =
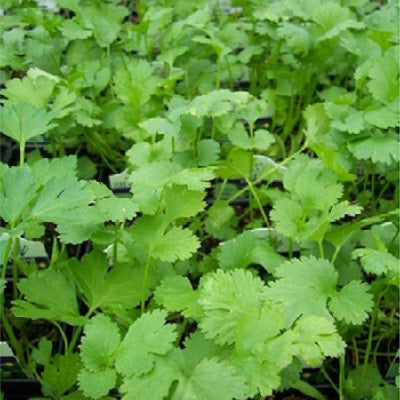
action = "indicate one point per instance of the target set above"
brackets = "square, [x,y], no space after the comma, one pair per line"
[258,230]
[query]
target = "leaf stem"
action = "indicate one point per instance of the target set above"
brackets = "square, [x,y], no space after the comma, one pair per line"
[341,376]
[144,285]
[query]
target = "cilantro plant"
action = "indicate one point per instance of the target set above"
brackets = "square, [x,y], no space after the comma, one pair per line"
[254,249]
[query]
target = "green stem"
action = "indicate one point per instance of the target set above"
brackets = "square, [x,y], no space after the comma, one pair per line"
[269,172]
[321,249]
[329,379]
[218,81]
[230,77]
[370,337]
[290,248]
[355,349]
[21,153]
[341,376]
[144,285]
[221,190]
[251,187]
[77,333]
[373,201]
[6,257]
[15,267]
[11,336]
[62,333]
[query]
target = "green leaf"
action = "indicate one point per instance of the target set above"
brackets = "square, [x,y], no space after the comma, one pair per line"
[207,152]
[73,31]
[384,117]
[237,252]
[99,343]
[345,118]
[303,287]
[147,337]
[50,295]
[136,84]
[234,311]
[384,83]
[109,290]
[190,202]
[154,386]
[117,209]
[97,384]
[36,91]
[17,190]
[60,374]
[221,220]
[378,148]
[42,354]
[352,303]
[211,380]
[262,139]
[216,103]
[175,293]
[104,20]
[377,262]
[177,243]
[316,338]
[23,121]
[149,181]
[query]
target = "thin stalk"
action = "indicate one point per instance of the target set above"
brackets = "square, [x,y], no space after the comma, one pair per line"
[221,189]
[187,84]
[144,285]
[321,249]
[218,80]
[266,174]
[355,349]
[63,336]
[290,248]
[230,77]
[21,153]
[11,336]
[329,379]
[264,216]
[15,270]
[6,257]
[335,254]
[370,337]
[373,201]
[77,333]
[341,376]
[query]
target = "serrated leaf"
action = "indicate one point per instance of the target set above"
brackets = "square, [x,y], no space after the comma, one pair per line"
[378,148]
[303,287]
[176,243]
[175,293]
[317,338]
[147,337]
[50,295]
[135,84]
[377,262]
[154,385]
[384,83]
[99,343]
[60,374]
[36,91]
[191,202]
[352,303]
[207,152]
[211,380]
[17,190]
[104,288]
[97,384]
[23,121]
